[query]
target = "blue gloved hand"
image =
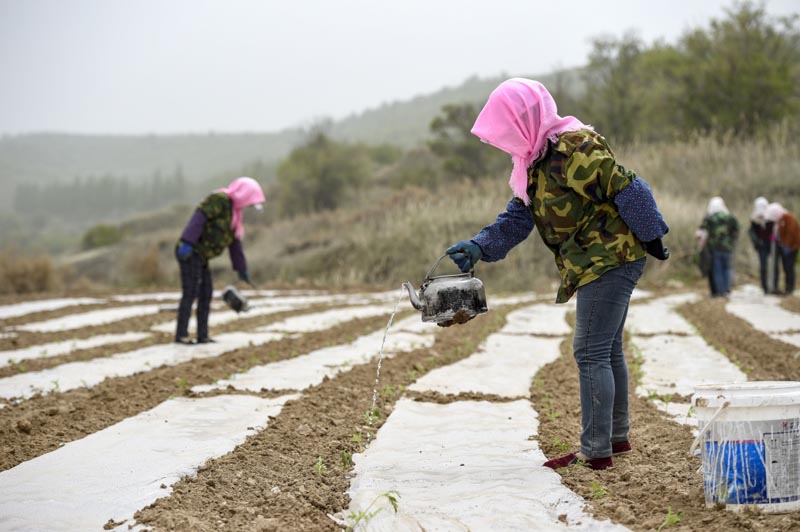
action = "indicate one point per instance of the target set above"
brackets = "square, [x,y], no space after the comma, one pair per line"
[465,254]
[184,250]
[244,276]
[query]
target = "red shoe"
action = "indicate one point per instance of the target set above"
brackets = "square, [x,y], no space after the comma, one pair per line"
[620,447]
[568,460]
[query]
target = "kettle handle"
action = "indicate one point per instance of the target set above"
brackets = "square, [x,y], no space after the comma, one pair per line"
[436,264]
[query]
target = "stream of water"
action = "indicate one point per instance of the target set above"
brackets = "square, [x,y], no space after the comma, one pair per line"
[371,415]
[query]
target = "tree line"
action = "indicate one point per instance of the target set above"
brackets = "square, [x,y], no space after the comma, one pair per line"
[739,76]
[99,197]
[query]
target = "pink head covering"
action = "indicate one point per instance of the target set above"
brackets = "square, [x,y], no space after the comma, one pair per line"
[244,192]
[519,118]
[774,212]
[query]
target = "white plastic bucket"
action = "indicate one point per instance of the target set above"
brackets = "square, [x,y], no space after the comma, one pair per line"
[750,435]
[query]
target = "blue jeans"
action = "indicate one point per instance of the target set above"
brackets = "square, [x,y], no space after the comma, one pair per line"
[602,309]
[721,272]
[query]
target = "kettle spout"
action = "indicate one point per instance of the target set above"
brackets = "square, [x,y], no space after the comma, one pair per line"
[412,295]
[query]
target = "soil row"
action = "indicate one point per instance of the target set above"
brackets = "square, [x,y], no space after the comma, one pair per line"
[658,484]
[42,423]
[294,473]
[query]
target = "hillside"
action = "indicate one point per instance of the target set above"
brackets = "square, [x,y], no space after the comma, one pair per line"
[58,157]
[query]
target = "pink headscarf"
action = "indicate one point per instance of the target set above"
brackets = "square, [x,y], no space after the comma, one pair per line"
[774,212]
[519,118]
[244,192]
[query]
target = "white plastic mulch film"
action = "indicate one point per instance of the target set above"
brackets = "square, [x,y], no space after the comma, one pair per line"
[22,309]
[765,313]
[673,358]
[307,370]
[467,465]
[91,372]
[115,472]
[53,349]
[89,319]
[454,465]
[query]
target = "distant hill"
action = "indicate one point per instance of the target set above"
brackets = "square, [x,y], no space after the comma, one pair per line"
[49,157]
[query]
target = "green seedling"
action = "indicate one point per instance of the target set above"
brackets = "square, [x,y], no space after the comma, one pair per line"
[538,382]
[356,438]
[370,416]
[55,385]
[363,517]
[598,491]
[388,392]
[346,459]
[551,413]
[635,367]
[320,466]
[560,445]
[671,519]
[182,384]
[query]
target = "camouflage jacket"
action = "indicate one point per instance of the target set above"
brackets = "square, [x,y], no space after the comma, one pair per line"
[572,189]
[217,233]
[723,230]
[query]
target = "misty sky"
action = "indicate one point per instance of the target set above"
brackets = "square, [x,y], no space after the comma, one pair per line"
[169,66]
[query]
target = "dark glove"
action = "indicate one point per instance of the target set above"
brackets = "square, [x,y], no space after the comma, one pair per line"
[244,276]
[184,250]
[656,248]
[465,254]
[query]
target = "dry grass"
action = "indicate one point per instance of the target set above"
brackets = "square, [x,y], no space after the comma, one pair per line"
[386,237]
[21,274]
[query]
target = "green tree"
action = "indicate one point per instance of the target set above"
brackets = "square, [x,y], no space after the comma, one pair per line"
[461,152]
[611,83]
[743,71]
[101,235]
[320,174]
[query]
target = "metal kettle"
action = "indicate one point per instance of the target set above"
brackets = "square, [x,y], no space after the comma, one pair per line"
[448,299]
[235,299]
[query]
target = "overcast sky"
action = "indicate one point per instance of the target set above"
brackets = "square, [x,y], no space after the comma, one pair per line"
[169,66]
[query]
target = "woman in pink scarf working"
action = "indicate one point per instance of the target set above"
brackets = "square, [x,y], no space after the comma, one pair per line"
[214,226]
[599,220]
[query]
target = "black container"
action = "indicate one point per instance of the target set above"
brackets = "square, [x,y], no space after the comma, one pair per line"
[234,299]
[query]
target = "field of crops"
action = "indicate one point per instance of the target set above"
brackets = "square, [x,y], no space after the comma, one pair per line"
[107,424]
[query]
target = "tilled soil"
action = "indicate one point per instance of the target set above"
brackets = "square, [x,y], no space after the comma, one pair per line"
[294,473]
[791,303]
[143,324]
[42,423]
[760,357]
[658,478]
[137,323]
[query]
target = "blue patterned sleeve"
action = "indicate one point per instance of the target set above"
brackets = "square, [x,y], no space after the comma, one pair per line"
[511,227]
[638,209]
